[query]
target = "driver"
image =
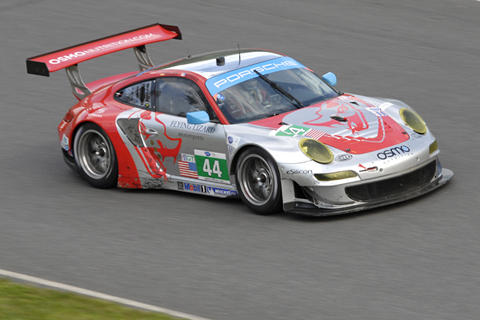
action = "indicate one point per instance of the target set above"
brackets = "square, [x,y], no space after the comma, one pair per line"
[256,95]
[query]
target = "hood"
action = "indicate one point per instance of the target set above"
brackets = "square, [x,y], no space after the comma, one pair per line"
[347,122]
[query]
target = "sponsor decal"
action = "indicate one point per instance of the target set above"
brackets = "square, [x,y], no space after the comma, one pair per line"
[169,74]
[226,192]
[191,77]
[190,136]
[188,157]
[96,108]
[192,127]
[226,80]
[101,48]
[296,171]
[377,111]
[233,141]
[187,166]
[385,105]
[343,157]
[180,186]
[194,187]
[95,115]
[416,136]
[211,166]
[64,143]
[393,152]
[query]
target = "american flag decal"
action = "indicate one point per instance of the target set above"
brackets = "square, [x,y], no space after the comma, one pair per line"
[188,169]
[314,134]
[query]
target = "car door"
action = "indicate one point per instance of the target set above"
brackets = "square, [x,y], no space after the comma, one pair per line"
[193,153]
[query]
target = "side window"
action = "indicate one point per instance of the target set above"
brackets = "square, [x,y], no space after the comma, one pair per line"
[177,96]
[138,95]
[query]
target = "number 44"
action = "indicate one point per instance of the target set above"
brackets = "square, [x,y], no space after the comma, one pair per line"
[216,168]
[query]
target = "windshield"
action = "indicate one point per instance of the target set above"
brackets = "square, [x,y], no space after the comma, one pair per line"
[256,98]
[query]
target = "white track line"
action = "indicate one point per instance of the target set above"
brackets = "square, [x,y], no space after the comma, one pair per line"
[98,295]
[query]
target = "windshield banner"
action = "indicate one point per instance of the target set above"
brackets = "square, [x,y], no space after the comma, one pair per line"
[226,80]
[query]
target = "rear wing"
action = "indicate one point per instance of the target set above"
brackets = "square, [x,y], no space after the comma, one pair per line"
[69,58]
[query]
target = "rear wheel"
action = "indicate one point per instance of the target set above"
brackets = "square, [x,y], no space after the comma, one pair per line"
[95,156]
[258,181]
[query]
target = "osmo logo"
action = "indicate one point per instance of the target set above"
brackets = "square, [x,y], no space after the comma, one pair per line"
[393,152]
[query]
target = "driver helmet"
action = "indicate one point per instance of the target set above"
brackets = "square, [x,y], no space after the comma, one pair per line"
[250,84]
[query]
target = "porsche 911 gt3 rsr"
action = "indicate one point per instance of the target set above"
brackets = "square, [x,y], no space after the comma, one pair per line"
[245,123]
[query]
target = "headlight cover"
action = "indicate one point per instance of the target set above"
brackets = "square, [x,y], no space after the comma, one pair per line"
[316,150]
[413,120]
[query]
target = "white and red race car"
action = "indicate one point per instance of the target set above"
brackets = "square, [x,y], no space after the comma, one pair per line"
[245,122]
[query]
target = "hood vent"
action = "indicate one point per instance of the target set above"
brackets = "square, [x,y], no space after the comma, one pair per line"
[338,118]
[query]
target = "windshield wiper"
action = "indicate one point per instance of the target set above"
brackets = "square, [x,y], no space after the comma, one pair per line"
[280,89]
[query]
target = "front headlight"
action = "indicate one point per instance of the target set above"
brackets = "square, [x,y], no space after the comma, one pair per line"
[316,150]
[413,120]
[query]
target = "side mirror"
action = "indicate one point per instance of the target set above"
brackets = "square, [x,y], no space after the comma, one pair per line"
[330,78]
[197,117]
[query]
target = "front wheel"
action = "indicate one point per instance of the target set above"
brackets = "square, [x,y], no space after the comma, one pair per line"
[95,156]
[258,181]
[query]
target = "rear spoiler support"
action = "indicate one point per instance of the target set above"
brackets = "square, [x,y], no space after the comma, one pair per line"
[79,89]
[144,61]
[69,58]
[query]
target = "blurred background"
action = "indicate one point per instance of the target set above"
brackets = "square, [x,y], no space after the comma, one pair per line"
[213,257]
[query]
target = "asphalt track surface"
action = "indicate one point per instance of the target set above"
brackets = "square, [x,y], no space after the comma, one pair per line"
[211,257]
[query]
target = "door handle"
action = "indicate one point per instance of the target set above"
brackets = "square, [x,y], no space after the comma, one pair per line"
[151,132]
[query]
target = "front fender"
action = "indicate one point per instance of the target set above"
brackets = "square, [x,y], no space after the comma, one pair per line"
[281,149]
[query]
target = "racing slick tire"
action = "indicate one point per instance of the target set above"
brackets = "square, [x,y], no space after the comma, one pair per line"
[95,156]
[258,181]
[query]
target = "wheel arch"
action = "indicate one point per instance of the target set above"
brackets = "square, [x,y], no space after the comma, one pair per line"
[238,153]
[290,189]
[95,155]
[258,180]
[127,169]
[75,131]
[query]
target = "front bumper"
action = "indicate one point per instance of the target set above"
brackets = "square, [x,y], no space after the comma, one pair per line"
[324,201]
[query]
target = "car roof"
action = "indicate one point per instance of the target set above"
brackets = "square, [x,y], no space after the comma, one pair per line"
[206,64]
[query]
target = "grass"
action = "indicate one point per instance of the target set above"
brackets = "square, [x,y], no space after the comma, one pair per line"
[24,302]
